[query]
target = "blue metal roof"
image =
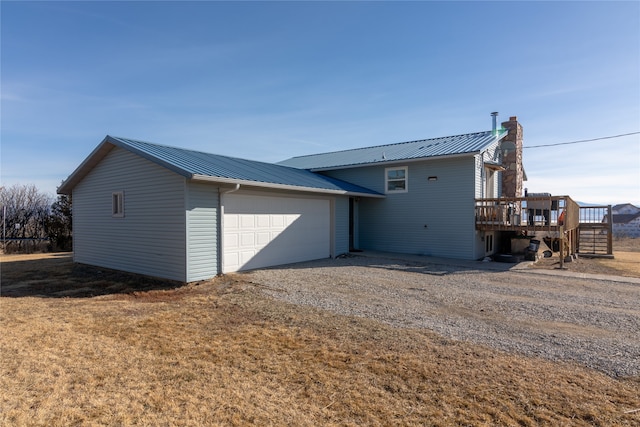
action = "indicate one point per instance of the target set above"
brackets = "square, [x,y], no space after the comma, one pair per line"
[424,148]
[212,167]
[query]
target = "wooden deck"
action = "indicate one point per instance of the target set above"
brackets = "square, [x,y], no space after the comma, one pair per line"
[527,214]
[584,230]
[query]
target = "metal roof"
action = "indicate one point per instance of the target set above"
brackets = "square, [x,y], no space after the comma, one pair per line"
[624,218]
[425,148]
[202,166]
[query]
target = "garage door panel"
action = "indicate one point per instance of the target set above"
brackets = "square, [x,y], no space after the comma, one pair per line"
[277,221]
[231,223]
[290,220]
[263,238]
[263,221]
[231,240]
[262,231]
[247,221]
[246,256]
[247,240]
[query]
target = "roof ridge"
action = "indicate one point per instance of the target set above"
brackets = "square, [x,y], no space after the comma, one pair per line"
[392,144]
[210,167]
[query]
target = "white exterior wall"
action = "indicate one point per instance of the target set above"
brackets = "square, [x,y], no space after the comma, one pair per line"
[150,238]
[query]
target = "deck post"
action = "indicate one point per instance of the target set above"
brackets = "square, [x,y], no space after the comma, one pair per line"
[561,247]
[609,231]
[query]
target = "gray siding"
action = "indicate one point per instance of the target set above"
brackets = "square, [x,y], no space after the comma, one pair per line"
[433,218]
[480,178]
[150,238]
[202,236]
[341,218]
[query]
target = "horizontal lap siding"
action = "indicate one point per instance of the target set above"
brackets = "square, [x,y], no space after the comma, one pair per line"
[433,218]
[150,239]
[479,193]
[341,236]
[202,236]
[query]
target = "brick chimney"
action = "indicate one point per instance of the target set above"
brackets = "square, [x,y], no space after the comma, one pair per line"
[513,175]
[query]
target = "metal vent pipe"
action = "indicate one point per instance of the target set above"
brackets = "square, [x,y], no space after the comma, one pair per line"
[494,125]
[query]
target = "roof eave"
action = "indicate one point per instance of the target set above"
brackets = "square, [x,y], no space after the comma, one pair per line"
[395,162]
[220,180]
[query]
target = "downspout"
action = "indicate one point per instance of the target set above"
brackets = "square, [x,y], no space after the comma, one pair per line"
[231,190]
[221,222]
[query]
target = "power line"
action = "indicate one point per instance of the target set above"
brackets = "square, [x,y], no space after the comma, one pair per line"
[581,141]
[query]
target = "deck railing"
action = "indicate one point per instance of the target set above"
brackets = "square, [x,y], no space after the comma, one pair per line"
[586,229]
[596,231]
[539,213]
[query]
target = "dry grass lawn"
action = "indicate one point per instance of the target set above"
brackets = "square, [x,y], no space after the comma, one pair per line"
[626,261]
[147,352]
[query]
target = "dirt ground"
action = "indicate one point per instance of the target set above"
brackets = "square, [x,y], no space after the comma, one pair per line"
[626,261]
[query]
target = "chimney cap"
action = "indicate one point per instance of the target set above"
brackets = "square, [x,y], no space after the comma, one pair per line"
[513,118]
[495,113]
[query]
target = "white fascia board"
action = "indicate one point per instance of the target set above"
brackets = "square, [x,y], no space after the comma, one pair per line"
[206,178]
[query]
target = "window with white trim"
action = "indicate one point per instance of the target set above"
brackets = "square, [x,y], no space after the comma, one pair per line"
[488,244]
[396,180]
[117,204]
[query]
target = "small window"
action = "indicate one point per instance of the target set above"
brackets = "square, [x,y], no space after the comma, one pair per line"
[117,204]
[488,245]
[396,180]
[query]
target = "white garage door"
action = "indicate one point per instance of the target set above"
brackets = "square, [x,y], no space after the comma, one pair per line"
[261,231]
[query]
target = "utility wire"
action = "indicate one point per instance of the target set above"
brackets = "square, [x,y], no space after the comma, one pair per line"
[584,140]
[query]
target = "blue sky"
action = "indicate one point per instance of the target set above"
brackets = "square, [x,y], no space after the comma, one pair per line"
[271,80]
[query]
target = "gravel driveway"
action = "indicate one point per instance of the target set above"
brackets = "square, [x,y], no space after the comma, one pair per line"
[594,321]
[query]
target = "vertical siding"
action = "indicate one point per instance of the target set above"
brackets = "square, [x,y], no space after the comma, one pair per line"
[433,218]
[202,236]
[341,218]
[150,238]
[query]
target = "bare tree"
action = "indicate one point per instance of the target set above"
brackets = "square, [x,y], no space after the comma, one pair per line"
[59,225]
[25,212]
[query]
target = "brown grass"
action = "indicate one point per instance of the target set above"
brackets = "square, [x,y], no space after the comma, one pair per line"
[626,260]
[219,353]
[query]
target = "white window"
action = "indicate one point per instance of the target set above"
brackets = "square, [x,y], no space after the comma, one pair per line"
[117,204]
[396,180]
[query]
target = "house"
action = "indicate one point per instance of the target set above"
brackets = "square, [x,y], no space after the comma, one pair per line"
[626,220]
[187,215]
[430,187]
